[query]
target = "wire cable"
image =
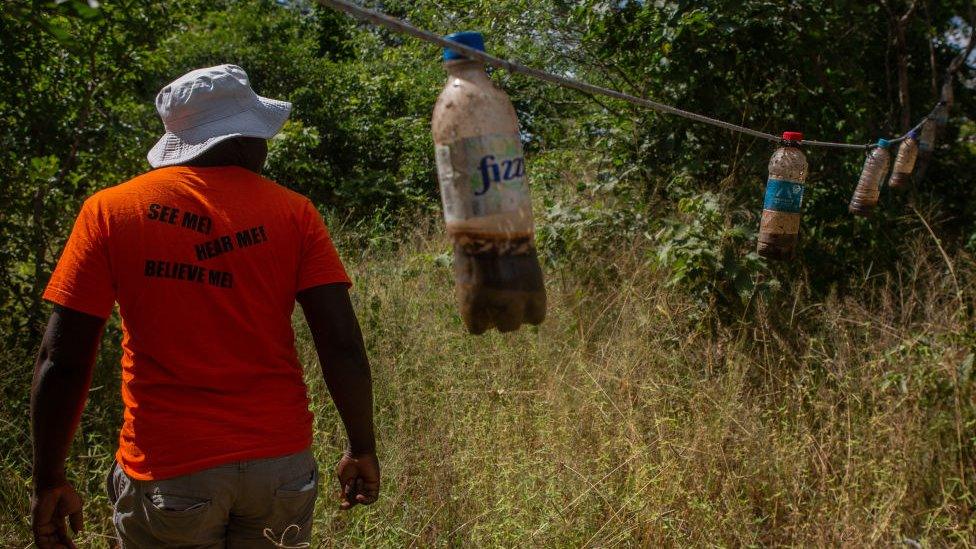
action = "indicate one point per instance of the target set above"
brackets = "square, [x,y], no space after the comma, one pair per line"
[400,26]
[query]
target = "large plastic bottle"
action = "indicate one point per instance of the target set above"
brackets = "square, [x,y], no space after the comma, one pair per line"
[901,174]
[780,221]
[869,185]
[485,192]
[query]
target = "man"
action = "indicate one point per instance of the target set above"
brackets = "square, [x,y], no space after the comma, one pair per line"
[205,259]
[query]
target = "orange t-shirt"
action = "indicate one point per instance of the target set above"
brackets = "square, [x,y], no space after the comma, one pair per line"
[204,264]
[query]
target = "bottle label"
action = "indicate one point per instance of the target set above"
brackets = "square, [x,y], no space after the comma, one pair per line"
[482,176]
[783,196]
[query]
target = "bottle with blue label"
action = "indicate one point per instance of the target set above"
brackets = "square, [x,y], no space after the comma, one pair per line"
[780,221]
[485,194]
[901,174]
[868,188]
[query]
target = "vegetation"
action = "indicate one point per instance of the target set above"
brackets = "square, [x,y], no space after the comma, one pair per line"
[683,391]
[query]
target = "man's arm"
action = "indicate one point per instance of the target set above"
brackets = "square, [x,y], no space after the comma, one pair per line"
[342,356]
[62,376]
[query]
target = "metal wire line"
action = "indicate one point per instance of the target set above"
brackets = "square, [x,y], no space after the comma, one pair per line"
[397,25]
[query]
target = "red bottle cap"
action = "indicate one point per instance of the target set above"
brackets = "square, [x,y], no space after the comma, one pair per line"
[792,136]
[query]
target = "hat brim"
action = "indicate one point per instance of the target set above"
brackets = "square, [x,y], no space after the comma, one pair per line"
[263,120]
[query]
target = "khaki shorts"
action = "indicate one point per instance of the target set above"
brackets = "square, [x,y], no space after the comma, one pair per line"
[241,504]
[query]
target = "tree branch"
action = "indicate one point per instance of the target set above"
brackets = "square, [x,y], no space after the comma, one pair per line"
[957,63]
[901,43]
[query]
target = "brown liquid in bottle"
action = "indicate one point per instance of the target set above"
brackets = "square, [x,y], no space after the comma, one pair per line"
[901,174]
[496,289]
[780,221]
[487,207]
[868,188]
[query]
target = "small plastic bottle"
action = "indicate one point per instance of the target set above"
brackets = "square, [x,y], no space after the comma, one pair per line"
[869,185]
[485,193]
[948,93]
[780,221]
[901,174]
[941,116]
[926,139]
[926,146]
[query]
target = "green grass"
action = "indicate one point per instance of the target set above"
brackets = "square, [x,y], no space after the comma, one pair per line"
[626,419]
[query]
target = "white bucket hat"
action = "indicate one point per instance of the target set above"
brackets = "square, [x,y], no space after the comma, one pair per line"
[207,106]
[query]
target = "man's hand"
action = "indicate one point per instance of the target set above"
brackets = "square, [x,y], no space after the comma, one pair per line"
[359,479]
[62,376]
[345,367]
[49,507]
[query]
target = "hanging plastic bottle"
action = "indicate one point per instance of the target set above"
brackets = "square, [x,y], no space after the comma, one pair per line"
[780,220]
[901,174]
[485,193]
[926,146]
[926,139]
[948,93]
[941,116]
[869,185]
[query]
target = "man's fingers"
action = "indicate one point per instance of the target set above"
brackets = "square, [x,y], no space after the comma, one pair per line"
[51,510]
[77,520]
[45,529]
[359,490]
[347,501]
[46,540]
[367,492]
[43,510]
[367,496]
[46,536]
[359,481]
[59,526]
[57,539]
[364,499]
[64,540]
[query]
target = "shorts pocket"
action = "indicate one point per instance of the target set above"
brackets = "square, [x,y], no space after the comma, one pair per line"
[294,504]
[177,506]
[176,518]
[304,485]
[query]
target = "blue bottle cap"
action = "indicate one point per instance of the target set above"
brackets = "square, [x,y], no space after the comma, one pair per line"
[883,143]
[468,38]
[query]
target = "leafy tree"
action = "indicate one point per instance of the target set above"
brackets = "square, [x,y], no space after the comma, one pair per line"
[80,78]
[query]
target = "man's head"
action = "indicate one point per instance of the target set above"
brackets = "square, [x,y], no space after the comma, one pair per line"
[213,118]
[246,152]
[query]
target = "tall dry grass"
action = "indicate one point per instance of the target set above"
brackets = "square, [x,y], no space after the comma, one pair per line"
[629,419]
